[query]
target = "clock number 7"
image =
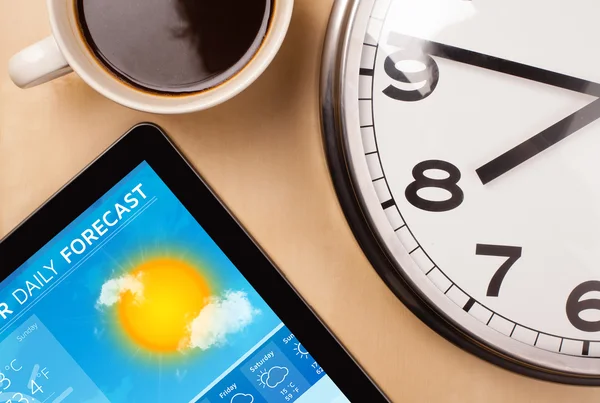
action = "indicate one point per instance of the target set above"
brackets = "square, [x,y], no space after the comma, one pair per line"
[513,253]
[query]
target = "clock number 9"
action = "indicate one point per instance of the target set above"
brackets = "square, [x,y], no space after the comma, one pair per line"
[575,306]
[449,184]
[428,77]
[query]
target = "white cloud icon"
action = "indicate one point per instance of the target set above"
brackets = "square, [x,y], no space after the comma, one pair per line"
[275,376]
[113,289]
[221,317]
[242,398]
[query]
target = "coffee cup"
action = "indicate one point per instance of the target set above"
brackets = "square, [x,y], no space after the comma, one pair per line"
[68,50]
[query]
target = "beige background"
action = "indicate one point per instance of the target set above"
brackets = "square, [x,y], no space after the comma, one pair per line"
[262,152]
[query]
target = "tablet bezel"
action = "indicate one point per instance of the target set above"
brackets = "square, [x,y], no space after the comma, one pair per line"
[147,142]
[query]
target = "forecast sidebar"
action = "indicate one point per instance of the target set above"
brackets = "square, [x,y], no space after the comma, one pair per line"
[37,369]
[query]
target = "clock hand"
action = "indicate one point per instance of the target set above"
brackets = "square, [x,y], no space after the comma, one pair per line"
[495,63]
[540,142]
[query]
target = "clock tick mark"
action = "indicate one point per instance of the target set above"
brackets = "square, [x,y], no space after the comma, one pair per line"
[388,204]
[513,330]
[366,72]
[561,344]
[586,348]
[469,305]
[400,227]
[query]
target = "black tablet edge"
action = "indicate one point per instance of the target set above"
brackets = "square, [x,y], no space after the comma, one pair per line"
[148,142]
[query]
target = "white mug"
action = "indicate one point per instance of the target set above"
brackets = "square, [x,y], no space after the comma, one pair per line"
[65,51]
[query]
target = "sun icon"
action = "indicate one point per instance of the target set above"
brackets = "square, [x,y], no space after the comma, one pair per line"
[301,351]
[173,292]
[262,378]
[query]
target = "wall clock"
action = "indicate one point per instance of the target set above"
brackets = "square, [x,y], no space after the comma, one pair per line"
[463,141]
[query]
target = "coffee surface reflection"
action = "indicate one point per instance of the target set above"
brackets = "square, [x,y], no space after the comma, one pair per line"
[174,46]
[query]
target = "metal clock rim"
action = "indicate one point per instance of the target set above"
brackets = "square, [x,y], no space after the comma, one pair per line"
[333,68]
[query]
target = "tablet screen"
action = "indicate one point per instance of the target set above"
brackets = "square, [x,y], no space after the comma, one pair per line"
[134,302]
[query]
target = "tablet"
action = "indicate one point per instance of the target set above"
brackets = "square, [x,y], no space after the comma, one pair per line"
[135,284]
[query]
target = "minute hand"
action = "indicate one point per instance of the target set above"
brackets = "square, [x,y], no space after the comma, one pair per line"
[496,64]
[540,141]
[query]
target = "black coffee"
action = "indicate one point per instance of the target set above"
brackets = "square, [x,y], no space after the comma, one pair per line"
[174,46]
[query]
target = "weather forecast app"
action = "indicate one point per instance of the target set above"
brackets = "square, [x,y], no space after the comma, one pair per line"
[134,302]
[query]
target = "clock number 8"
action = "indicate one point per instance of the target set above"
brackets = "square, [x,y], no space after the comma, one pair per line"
[429,76]
[450,184]
[575,306]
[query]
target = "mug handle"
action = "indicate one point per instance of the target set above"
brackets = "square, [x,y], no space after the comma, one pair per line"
[39,63]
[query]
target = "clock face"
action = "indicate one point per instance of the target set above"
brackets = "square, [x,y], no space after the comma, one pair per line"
[470,137]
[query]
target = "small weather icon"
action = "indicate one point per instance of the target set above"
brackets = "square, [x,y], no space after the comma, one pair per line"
[300,350]
[273,377]
[242,398]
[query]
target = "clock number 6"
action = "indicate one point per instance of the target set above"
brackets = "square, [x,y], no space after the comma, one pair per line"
[449,184]
[575,306]
[513,253]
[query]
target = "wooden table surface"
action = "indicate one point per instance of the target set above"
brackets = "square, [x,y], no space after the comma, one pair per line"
[262,152]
